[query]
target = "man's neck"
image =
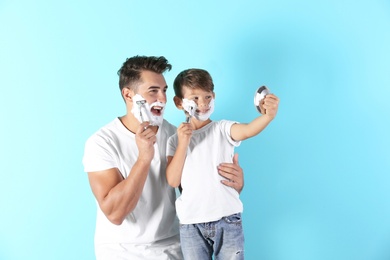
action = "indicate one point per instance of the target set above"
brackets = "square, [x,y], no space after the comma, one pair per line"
[132,124]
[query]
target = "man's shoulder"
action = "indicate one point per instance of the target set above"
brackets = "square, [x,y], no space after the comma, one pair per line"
[167,124]
[168,127]
[104,131]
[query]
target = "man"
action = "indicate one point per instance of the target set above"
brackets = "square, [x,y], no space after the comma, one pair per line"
[126,163]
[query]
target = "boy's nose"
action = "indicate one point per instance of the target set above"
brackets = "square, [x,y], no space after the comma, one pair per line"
[203,103]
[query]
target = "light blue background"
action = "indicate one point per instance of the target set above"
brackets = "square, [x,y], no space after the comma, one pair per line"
[316,180]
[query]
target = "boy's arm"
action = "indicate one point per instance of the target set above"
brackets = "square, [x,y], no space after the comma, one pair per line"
[241,132]
[175,163]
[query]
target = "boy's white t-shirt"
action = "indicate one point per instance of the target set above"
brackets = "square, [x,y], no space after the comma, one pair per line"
[204,198]
[154,217]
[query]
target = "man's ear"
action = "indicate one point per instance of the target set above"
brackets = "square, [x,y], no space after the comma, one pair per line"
[127,94]
[178,102]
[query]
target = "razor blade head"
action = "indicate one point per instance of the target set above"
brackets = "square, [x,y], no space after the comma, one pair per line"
[140,102]
[191,111]
[141,106]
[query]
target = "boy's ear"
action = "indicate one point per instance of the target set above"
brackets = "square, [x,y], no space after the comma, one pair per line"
[178,102]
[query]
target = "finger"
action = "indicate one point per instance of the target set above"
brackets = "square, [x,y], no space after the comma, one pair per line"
[270,104]
[148,133]
[261,105]
[228,183]
[228,167]
[271,96]
[229,175]
[271,101]
[234,185]
[142,127]
[188,131]
[235,159]
[187,126]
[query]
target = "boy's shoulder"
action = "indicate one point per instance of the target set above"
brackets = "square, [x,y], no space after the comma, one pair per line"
[225,123]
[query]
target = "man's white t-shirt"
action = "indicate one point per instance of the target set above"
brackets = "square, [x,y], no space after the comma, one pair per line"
[204,198]
[154,217]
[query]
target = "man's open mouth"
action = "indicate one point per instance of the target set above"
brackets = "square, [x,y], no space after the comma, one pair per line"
[156,110]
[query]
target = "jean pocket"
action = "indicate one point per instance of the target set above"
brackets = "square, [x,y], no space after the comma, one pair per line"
[233,219]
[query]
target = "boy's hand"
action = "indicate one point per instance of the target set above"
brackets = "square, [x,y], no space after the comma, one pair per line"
[184,133]
[269,105]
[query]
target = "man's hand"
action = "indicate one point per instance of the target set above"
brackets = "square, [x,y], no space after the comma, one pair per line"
[233,173]
[145,138]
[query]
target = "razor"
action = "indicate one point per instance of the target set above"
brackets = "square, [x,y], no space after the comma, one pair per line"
[189,107]
[189,114]
[141,104]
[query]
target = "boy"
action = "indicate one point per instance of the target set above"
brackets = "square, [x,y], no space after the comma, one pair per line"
[209,214]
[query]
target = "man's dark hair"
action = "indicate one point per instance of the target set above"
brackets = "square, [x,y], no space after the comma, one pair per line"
[192,78]
[130,72]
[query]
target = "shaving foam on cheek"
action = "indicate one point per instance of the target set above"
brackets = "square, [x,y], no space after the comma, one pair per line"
[189,106]
[205,116]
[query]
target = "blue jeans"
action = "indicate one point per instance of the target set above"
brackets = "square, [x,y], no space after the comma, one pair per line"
[223,238]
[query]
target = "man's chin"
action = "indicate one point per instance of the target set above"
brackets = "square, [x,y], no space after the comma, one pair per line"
[157,120]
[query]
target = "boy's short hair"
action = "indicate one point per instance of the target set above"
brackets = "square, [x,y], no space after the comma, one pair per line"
[130,72]
[192,78]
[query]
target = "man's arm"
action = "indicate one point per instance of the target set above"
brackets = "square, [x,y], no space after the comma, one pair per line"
[117,196]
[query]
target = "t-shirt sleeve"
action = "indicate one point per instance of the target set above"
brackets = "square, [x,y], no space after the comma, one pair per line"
[226,127]
[171,145]
[98,155]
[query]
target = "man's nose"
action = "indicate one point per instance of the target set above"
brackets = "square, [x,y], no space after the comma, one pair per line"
[162,97]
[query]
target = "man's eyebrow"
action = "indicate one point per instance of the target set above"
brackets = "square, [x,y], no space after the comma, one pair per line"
[157,87]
